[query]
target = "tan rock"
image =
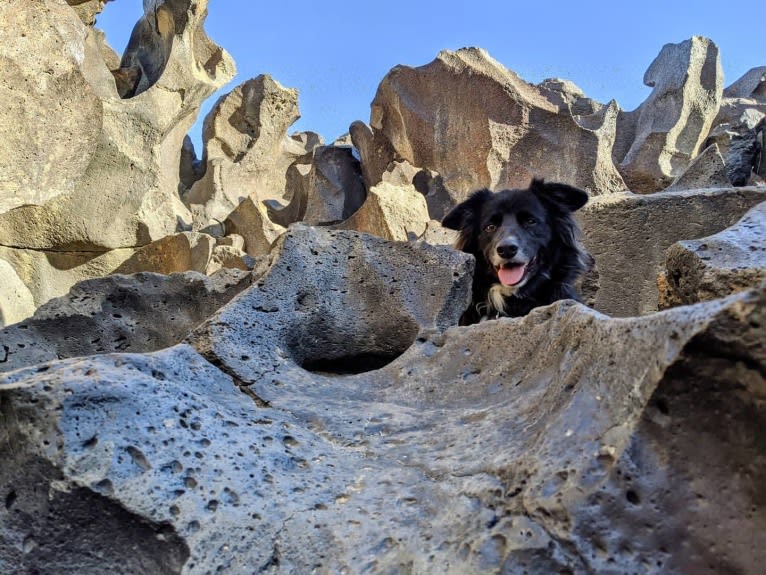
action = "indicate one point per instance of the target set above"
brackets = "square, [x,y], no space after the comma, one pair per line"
[87,10]
[661,137]
[477,124]
[50,274]
[186,251]
[16,301]
[628,235]
[247,149]
[730,261]
[86,169]
[391,212]
[251,221]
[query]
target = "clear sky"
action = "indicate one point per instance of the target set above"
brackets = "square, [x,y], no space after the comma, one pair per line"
[336,54]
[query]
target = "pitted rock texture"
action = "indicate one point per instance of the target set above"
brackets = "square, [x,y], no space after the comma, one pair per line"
[340,302]
[713,267]
[658,140]
[628,235]
[601,453]
[138,313]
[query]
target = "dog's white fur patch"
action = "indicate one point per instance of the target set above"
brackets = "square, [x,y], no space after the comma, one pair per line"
[498,293]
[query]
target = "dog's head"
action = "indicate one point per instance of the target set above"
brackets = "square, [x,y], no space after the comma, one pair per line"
[518,234]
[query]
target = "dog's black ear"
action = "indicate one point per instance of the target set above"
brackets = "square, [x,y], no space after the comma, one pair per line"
[464,215]
[567,198]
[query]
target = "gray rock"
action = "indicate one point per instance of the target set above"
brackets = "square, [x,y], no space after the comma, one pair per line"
[138,313]
[628,234]
[743,157]
[751,85]
[707,170]
[332,190]
[339,301]
[713,267]
[661,137]
[618,457]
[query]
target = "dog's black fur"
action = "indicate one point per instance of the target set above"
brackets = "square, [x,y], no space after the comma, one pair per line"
[526,245]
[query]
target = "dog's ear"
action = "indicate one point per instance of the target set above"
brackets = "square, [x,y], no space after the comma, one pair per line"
[465,215]
[566,198]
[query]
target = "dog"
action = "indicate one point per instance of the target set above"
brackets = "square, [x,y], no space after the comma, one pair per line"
[526,245]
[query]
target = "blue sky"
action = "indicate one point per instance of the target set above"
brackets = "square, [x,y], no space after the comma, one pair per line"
[336,54]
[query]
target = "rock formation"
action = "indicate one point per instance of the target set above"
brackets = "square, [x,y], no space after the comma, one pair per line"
[713,267]
[316,409]
[628,234]
[88,176]
[247,449]
[658,140]
[477,124]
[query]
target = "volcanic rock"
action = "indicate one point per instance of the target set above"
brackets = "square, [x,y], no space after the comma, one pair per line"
[628,235]
[392,212]
[409,467]
[331,191]
[707,170]
[477,124]
[657,141]
[137,313]
[708,268]
[247,149]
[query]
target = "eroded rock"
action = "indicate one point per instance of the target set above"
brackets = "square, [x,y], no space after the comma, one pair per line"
[477,124]
[90,176]
[397,213]
[628,234]
[659,139]
[329,192]
[713,267]
[138,313]
[408,467]
[708,170]
[247,149]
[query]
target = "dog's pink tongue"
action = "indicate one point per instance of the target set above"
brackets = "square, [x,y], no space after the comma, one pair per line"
[510,276]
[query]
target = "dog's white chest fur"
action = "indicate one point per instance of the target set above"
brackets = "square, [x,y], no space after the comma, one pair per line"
[497,294]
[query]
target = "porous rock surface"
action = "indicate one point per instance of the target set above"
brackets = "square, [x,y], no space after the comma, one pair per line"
[715,266]
[119,313]
[628,235]
[602,453]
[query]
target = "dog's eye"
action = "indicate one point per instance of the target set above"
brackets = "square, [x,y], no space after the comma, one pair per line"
[490,228]
[529,221]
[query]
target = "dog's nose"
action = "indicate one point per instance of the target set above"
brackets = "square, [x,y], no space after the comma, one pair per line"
[507,250]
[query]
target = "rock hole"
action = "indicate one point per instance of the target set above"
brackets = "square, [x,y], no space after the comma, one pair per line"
[10,499]
[632,497]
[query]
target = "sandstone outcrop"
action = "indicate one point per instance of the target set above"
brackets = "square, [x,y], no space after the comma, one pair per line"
[477,124]
[708,170]
[713,267]
[86,174]
[628,235]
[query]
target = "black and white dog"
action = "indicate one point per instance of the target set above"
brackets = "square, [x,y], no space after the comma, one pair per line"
[526,245]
